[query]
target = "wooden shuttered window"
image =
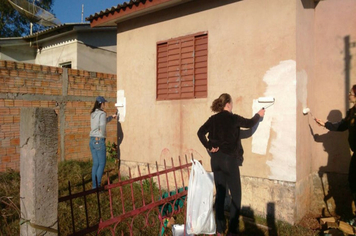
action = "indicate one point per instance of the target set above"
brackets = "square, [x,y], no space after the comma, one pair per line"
[182,68]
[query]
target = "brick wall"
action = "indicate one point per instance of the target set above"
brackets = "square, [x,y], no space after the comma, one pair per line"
[70,92]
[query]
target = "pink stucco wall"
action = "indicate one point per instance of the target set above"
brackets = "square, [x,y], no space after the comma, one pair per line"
[293,50]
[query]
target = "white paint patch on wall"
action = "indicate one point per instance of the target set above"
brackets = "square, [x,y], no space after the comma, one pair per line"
[281,119]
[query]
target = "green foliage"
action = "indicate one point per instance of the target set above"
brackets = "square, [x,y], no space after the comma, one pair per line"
[148,184]
[111,150]
[12,24]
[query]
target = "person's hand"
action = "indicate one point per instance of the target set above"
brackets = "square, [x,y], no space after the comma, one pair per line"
[320,122]
[114,116]
[214,149]
[261,112]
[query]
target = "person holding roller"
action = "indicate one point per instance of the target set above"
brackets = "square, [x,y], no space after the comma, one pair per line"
[226,152]
[348,123]
[97,143]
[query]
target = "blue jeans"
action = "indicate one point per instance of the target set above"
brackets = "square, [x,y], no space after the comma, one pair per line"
[98,152]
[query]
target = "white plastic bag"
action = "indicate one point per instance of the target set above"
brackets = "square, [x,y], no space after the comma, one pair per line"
[200,215]
[178,230]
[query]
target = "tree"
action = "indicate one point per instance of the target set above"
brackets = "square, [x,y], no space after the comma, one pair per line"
[13,24]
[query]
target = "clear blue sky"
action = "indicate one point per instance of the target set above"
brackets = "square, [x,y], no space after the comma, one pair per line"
[70,11]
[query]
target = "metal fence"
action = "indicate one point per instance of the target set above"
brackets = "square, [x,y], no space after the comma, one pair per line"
[128,205]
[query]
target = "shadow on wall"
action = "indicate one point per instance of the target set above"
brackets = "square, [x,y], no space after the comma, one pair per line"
[336,145]
[347,58]
[309,4]
[249,222]
[271,219]
[253,228]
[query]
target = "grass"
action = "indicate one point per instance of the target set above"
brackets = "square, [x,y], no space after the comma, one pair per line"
[83,178]
[10,203]
[78,172]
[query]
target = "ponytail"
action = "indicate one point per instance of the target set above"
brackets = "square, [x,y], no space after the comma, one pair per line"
[97,105]
[219,103]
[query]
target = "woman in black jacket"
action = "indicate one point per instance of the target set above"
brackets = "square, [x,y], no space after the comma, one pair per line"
[224,147]
[348,123]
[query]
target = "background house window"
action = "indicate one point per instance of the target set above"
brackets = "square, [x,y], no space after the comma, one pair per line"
[182,67]
[66,65]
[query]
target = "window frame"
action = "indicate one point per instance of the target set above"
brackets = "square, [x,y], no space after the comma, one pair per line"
[67,64]
[182,67]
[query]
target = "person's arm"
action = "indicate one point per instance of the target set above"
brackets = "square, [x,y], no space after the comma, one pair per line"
[109,118]
[333,126]
[102,124]
[203,130]
[248,123]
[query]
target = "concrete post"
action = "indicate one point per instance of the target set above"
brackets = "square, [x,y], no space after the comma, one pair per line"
[39,171]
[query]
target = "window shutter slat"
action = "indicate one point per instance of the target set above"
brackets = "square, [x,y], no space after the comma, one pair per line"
[162,64]
[182,68]
[201,66]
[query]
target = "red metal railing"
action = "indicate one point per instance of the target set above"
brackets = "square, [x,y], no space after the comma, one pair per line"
[132,204]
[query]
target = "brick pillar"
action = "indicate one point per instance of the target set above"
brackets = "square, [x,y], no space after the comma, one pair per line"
[38,170]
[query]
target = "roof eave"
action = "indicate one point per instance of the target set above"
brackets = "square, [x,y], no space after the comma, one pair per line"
[113,17]
[13,41]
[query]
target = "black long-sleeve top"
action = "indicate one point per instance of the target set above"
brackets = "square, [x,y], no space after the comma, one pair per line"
[348,123]
[224,132]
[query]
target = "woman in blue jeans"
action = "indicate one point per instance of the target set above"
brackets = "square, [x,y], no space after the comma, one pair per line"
[224,147]
[98,121]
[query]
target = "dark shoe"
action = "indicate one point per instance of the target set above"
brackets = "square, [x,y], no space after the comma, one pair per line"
[231,234]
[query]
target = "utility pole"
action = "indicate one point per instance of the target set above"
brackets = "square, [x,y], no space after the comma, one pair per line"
[82,12]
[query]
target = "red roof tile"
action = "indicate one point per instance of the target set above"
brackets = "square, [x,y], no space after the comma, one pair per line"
[132,8]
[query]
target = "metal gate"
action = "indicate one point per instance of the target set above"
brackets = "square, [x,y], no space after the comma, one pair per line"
[138,205]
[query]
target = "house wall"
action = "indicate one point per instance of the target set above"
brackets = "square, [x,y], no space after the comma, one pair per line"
[335,41]
[22,53]
[99,38]
[295,51]
[71,93]
[97,59]
[305,73]
[251,53]
[335,68]
[86,48]
[56,54]
[323,82]
[80,55]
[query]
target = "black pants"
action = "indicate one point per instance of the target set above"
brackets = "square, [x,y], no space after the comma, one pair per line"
[226,175]
[352,176]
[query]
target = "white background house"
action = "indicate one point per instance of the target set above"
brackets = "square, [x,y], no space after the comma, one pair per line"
[73,45]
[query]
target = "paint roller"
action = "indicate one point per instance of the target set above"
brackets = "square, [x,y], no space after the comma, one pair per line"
[269,100]
[307,111]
